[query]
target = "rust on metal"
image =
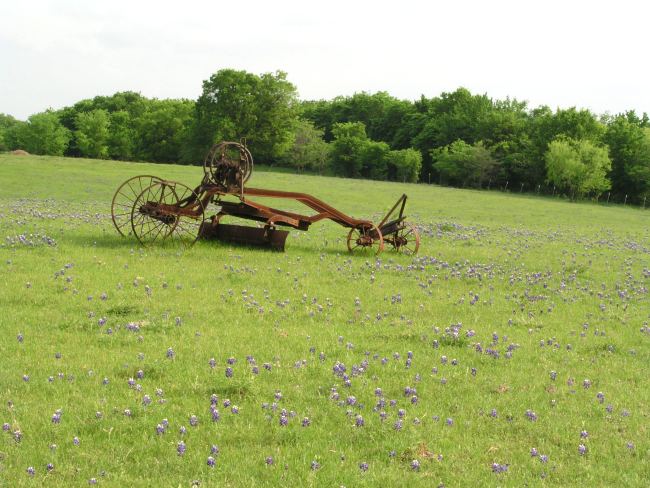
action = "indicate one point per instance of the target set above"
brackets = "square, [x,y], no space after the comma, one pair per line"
[152,209]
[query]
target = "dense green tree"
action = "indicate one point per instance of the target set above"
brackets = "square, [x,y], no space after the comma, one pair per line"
[9,129]
[92,133]
[346,149]
[121,138]
[309,150]
[404,165]
[463,164]
[236,104]
[577,166]
[44,134]
[162,130]
[373,158]
[629,149]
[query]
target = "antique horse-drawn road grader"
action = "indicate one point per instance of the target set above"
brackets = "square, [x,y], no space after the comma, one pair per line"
[153,209]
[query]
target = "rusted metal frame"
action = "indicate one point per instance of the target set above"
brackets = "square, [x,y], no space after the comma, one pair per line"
[253,211]
[401,200]
[324,210]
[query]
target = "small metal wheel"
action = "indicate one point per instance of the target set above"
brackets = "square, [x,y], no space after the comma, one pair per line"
[406,239]
[125,197]
[365,236]
[169,211]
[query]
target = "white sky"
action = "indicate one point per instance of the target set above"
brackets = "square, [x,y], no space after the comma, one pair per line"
[589,54]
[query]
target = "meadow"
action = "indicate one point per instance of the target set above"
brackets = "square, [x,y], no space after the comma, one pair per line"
[513,350]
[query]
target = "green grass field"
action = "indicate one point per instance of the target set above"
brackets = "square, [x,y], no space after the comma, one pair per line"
[514,350]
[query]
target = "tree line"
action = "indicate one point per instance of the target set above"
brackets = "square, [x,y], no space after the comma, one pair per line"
[458,138]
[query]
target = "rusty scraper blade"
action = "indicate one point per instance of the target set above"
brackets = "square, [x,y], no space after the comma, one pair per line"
[240,234]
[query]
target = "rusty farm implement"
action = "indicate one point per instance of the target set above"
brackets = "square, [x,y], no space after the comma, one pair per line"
[154,209]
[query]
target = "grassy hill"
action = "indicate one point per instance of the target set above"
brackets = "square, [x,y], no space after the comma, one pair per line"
[521,326]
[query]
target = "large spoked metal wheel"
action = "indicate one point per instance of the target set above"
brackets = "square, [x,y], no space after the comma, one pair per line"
[124,199]
[167,211]
[228,165]
[365,236]
[406,239]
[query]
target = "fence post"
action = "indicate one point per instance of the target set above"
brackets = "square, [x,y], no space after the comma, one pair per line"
[429,178]
[506,187]
[522,188]
[608,193]
[625,201]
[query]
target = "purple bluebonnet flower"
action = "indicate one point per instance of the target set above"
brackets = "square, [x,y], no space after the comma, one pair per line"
[75,440]
[215,414]
[170,353]
[543,458]
[397,425]
[92,481]
[284,420]
[160,429]
[582,449]
[306,422]
[269,460]
[25,377]
[493,413]
[449,421]
[194,420]
[212,362]
[392,454]
[56,417]
[363,466]
[211,462]
[127,412]
[586,383]
[553,375]
[235,409]
[473,371]
[214,399]
[415,465]
[20,337]
[182,430]
[146,400]
[600,396]
[6,427]
[534,452]
[140,374]
[584,434]
[30,470]
[49,467]
[530,415]
[180,448]
[229,372]
[226,402]
[359,422]
[315,465]
[630,445]
[499,468]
